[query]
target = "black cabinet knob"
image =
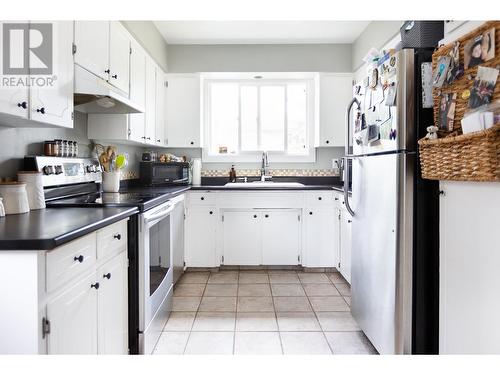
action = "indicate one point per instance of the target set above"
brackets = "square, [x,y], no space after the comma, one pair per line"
[41,110]
[118,236]
[336,199]
[107,71]
[211,212]
[115,76]
[192,142]
[310,213]
[78,258]
[255,216]
[22,105]
[349,221]
[320,198]
[158,140]
[327,141]
[266,215]
[107,276]
[202,198]
[96,285]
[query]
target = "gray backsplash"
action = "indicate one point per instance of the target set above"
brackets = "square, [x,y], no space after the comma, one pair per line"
[15,143]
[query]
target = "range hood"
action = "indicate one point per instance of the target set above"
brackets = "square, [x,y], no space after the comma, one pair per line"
[94,95]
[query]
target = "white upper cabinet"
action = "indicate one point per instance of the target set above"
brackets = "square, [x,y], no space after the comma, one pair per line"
[92,46]
[335,92]
[183,110]
[160,136]
[137,91]
[119,56]
[150,106]
[54,105]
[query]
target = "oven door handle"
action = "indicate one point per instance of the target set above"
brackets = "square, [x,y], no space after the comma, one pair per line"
[163,214]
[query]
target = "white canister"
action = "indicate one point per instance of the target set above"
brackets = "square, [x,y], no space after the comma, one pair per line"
[2,209]
[15,197]
[34,187]
[111,182]
[196,171]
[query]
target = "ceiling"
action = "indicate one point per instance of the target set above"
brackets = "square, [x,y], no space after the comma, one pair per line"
[260,32]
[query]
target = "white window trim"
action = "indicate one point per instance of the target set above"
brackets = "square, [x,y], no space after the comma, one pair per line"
[250,156]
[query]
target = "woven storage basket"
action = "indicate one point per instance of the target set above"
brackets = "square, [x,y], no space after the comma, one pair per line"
[463,157]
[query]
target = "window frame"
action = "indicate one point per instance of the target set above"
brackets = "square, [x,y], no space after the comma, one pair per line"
[269,79]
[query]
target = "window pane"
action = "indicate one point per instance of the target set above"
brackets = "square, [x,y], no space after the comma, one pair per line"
[249,141]
[297,118]
[224,118]
[272,118]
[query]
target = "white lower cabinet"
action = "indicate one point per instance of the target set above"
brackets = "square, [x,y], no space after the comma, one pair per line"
[200,239]
[281,237]
[345,244]
[242,241]
[73,319]
[322,237]
[112,302]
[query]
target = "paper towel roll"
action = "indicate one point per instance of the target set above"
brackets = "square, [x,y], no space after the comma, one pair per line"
[34,188]
[197,171]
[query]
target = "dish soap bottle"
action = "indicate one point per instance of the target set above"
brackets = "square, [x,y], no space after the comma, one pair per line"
[232,174]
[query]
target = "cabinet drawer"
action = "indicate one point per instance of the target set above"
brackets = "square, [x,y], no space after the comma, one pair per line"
[112,239]
[319,198]
[70,260]
[205,198]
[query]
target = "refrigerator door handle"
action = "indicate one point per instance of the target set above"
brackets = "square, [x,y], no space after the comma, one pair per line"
[348,122]
[346,184]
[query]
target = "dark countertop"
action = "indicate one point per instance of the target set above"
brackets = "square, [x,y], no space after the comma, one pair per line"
[51,227]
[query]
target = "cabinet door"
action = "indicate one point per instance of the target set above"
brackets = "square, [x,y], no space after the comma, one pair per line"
[137,121]
[200,238]
[345,245]
[54,105]
[322,238]
[14,99]
[113,306]
[335,94]
[73,319]
[119,56]
[150,101]
[92,46]
[242,238]
[183,110]
[160,138]
[177,233]
[280,237]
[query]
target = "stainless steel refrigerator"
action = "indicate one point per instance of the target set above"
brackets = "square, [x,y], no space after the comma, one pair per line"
[394,272]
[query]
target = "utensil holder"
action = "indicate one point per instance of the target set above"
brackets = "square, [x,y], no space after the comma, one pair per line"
[111,182]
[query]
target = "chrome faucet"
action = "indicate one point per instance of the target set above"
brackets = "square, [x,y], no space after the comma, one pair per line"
[264,168]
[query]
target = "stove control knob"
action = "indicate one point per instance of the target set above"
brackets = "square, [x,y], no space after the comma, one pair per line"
[58,169]
[48,170]
[90,168]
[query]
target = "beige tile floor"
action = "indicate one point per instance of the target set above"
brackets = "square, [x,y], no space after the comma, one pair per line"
[262,312]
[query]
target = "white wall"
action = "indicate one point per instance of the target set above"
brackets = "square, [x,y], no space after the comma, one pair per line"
[260,58]
[469,260]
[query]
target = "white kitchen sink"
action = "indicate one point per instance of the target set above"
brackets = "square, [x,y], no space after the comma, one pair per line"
[266,184]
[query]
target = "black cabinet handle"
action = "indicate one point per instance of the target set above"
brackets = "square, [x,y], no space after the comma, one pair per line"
[255,216]
[148,138]
[115,76]
[78,258]
[192,142]
[22,105]
[158,140]
[143,137]
[310,213]
[211,212]
[107,276]
[320,198]
[349,221]
[107,71]
[118,236]
[266,215]
[202,198]
[96,286]
[41,110]
[336,199]
[327,141]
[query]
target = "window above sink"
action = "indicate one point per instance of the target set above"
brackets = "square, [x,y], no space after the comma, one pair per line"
[245,114]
